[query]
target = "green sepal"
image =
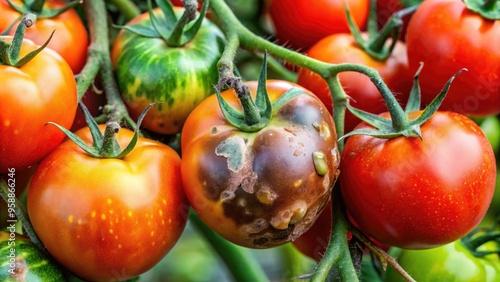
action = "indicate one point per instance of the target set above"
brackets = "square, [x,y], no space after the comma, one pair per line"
[384,128]
[287,96]
[414,100]
[436,102]
[38,7]
[10,51]
[488,9]
[161,24]
[376,44]
[175,32]
[104,145]
[191,32]
[262,100]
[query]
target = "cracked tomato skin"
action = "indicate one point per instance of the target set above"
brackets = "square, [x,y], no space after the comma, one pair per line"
[418,194]
[108,219]
[275,193]
[42,90]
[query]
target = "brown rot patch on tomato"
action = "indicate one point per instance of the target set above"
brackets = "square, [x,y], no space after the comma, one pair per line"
[20,270]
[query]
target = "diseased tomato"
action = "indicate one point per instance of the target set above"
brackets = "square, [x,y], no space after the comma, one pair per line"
[342,48]
[264,188]
[108,219]
[446,36]
[39,91]
[179,77]
[301,23]
[418,194]
[70,39]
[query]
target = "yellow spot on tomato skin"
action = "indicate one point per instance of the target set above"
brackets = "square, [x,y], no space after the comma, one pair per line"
[164,202]
[70,219]
[6,122]
[80,221]
[109,201]
[161,213]
[93,214]
[119,246]
[103,216]
[110,231]
[129,213]
[163,222]
[152,233]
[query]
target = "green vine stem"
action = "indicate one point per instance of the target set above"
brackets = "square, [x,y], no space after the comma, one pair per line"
[127,8]
[22,216]
[99,61]
[239,260]
[384,257]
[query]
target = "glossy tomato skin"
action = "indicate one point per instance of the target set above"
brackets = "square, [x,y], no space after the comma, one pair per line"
[416,194]
[446,37]
[115,218]
[70,39]
[179,77]
[40,91]
[342,48]
[277,193]
[451,262]
[301,23]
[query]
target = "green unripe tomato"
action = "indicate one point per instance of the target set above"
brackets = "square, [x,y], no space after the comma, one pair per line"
[20,260]
[178,78]
[451,262]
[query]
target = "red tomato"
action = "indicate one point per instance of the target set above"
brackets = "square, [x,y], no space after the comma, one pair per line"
[385,9]
[342,48]
[70,38]
[418,194]
[301,23]
[446,36]
[277,190]
[40,91]
[108,219]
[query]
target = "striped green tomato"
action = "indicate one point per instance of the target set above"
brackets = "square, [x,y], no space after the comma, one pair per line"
[20,260]
[148,70]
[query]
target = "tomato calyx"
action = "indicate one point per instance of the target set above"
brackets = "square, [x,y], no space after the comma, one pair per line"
[478,237]
[256,114]
[175,32]
[9,51]
[41,10]
[489,9]
[399,124]
[375,44]
[104,145]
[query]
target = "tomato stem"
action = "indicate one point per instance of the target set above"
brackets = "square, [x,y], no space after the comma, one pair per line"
[127,8]
[99,61]
[175,38]
[239,260]
[381,254]
[337,253]
[22,215]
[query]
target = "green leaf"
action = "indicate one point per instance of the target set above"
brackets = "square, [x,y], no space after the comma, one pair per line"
[168,11]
